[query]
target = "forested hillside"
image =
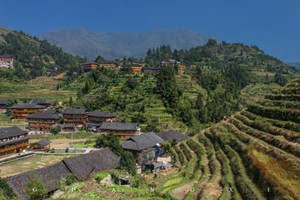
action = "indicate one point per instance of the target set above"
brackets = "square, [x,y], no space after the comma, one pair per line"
[253,155]
[33,57]
[208,90]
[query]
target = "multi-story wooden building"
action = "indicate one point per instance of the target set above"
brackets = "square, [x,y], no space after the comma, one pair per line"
[22,110]
[6,61]
[89,66]
[136,67]
[108,64]
[43,121]
[3,105]
[75,116]
[40,102]
[99,117]
[12,140]
[122,130]
[173,63]
[151,70]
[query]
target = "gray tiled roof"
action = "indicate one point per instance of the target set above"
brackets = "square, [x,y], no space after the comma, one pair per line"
[44,142]
[40,102]
[49,176]
[83,165]
[48,114]
[98,113]
[74,111]
[3,101]
[119,126]
[27,106]
[11,132]
[172,135]
[6,56]
[141,142]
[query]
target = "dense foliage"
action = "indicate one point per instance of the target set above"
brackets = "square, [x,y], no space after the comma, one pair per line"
[33,57]
[5,190]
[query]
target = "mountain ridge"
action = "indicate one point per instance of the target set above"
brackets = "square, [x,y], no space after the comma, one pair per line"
[90,43]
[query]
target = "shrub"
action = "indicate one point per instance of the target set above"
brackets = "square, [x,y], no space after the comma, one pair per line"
[128,163]
[6,191]
[55,130]
[35,189]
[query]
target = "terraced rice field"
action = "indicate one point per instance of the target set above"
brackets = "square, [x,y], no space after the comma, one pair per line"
[253,155]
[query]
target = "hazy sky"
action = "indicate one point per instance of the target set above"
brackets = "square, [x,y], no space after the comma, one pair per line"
[272,25]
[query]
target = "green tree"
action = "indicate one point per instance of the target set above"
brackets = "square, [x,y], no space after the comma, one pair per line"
[111,141]
[35,189]
[127,162]
[280,79]
[99,59]
[5,190]
[55,130]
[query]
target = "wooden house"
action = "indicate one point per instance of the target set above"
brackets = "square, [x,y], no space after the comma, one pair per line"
[108,64]
[42,145]
[22,110]
[13,140]
[67,128]
[122,130]
[6,61]
[99,117]
[172,136]
[3,105]
[75,116]
[43,121]
[136,67]
[173,63]
[40,102]
[89,66]
[144,147]
[150,70]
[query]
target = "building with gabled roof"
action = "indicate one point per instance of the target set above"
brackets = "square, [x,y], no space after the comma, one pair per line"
[99,117]
[145,143]
[81,166]
[122,130]
[6,61]
[89,66]
[3,105]
[108,64]
[172,136]
[13,140]
[43,121]
[22,110]
[41,102]
[77,116]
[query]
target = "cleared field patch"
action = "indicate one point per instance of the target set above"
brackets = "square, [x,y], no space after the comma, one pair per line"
[29,163]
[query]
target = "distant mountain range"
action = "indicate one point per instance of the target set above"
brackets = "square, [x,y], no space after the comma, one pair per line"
[90,43]
[295,64]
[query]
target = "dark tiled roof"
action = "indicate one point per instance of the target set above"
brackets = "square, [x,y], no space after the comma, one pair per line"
[74,111]
[119,126]
[67,126]
[141,142]
[27,106]
[40,102]
[90,63]
[6,56]
[48,175]
[97,113]
[11,132]
[44,142]
[13,141]
[48,114]
[83,165]
[106,62]
[3,102]
[171,135]
[151,69]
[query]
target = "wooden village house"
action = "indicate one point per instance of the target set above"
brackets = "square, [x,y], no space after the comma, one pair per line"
[40,102]
[42,145]
[3,105]
[144,147]
[96,118]
[6,61]
[173,63]
[22,110]
[43,121]
[150,70]
[122,130]
[136,67]
[12,140]
[75,116]
[108,64]
[89,66]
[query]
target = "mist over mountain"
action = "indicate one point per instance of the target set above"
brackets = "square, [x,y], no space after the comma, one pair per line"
[295,64]
[90,43]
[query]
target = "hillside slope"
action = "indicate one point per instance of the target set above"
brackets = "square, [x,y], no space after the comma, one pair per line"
[253,155]
[33,57]
[90,43]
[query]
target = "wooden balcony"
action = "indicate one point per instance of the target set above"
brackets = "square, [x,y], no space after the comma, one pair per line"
[14,147]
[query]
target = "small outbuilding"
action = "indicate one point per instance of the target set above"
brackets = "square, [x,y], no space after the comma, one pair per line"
[42,145]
